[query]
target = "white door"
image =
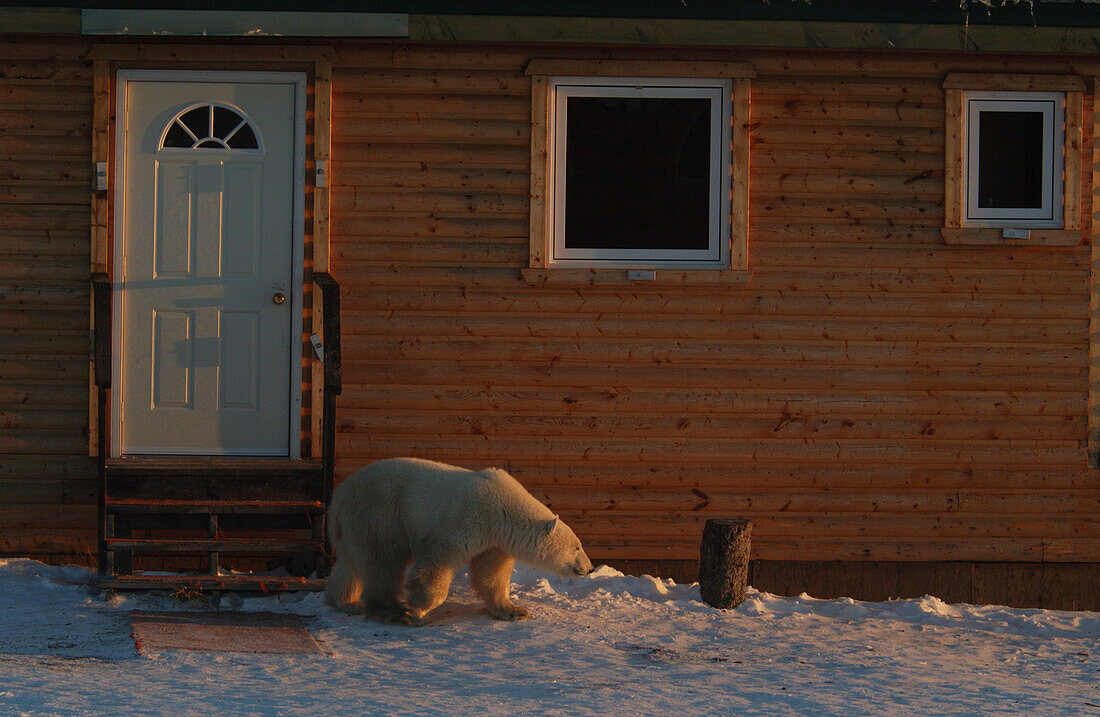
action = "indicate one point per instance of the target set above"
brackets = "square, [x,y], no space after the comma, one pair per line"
[205,273]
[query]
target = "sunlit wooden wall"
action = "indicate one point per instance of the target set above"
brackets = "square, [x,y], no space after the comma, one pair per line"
[870,394]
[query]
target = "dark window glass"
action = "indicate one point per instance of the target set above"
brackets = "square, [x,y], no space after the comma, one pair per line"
[198,121]
[177,137]
[638,173]
[244,138]
[1010,160]
[225,121]
[230,130]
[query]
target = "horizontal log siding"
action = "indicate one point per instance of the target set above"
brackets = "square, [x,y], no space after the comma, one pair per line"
[870,394]
[47,488]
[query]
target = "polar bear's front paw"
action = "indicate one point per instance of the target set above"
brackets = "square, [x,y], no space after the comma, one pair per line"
[385,611]
[407,618]
[509,612]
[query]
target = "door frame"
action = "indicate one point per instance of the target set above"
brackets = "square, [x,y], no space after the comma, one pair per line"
[299,81]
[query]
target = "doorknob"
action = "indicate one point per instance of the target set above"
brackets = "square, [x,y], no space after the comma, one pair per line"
[278,298]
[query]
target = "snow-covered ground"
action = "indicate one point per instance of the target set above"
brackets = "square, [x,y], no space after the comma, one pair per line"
[602,645]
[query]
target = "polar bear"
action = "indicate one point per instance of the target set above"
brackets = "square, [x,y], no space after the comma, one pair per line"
[436,518]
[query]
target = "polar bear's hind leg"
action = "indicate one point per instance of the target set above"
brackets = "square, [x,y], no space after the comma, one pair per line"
[382,593]
[344,588]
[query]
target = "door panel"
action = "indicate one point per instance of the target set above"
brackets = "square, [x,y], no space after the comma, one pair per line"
[173,242]
[237,379]
[241,220]
[206,354]
[172,362]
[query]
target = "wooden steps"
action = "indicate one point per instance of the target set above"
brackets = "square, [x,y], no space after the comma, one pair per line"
[221,511]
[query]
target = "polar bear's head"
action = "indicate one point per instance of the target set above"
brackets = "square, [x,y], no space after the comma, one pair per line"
[559,549]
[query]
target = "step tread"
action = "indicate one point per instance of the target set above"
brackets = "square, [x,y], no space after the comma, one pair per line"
[214,544]
[130,505]
[260,583]
[204,467]
[156,479]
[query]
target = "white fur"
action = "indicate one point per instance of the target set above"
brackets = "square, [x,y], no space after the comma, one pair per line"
[430,519]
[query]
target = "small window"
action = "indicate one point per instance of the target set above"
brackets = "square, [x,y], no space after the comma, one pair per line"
[640,173]
[1014,159]
[1013,163]
[210,126]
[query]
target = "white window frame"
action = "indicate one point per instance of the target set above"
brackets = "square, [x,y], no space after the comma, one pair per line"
[246,121]
[720,92]
[1052,105]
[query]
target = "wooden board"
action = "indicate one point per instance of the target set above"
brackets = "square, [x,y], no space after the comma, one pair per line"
[322,154]
[1093,163]
[243,632]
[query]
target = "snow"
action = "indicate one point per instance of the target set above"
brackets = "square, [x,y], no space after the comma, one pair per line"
[606,644]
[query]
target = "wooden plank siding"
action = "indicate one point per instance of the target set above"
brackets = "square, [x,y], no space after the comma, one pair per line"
[871,393]
[47,480]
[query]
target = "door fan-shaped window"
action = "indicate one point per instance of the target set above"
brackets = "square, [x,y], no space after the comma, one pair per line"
[210,126]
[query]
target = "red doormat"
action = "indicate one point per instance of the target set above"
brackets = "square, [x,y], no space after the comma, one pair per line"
[255,632]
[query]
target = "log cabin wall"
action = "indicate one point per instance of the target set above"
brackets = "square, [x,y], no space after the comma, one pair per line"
[47,480]
[871,397]
[874,399]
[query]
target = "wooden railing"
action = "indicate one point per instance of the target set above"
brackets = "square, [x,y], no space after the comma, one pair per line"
[333,380]
[101,351]
[130,502]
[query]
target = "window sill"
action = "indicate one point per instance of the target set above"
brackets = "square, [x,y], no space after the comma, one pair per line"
[994,236]
[622,277]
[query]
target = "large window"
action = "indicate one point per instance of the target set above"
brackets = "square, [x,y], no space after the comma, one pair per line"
[639,165]
[640,172]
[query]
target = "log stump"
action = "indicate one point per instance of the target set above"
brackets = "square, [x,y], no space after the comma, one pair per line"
[724,562]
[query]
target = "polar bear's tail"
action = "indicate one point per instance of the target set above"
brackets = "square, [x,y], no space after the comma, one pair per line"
[344,587]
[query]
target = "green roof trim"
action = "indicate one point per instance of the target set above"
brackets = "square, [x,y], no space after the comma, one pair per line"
[240,23]
[753,33]
[40,20]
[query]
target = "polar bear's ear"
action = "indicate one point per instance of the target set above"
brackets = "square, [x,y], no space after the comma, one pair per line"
[547,526]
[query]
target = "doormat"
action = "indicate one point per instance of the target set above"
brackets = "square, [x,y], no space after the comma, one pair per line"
[253,632]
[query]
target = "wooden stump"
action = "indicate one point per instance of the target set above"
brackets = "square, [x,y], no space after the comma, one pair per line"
[724,562]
